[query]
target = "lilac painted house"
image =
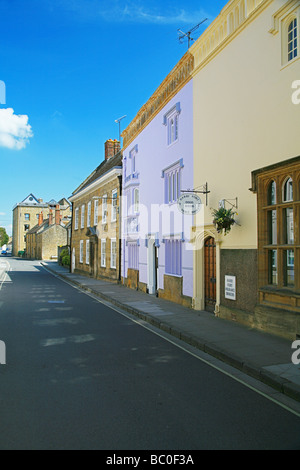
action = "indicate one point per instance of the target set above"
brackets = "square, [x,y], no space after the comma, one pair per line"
[157,253]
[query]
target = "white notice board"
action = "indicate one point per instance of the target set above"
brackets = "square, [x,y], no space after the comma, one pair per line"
[230,287]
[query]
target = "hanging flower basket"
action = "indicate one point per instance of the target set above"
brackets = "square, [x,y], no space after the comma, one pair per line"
[223,219]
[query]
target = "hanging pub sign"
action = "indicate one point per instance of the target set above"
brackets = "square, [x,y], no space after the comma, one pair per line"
[189,204]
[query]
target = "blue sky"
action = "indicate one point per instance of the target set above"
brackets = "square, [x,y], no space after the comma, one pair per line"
[71,68]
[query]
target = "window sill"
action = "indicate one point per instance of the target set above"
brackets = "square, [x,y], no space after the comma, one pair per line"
[285,291]
[291,62]
[172,143]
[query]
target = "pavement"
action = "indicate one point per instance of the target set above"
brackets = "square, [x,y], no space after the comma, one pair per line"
[260,355]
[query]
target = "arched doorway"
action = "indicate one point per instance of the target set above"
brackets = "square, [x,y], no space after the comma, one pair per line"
[210,273]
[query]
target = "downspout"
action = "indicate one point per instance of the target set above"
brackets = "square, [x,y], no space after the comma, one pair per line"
[120,228]
[70,269]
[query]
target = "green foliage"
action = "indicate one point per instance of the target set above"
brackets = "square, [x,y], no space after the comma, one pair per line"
[223,219]
[63,254]
[66,260]
[3,236]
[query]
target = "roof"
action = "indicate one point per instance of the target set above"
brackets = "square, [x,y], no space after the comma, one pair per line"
[30,201]
[64,202]
[37,227]
[101,170]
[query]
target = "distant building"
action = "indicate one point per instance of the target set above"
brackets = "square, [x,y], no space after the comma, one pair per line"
[95,237]
[43,240]
[26,216]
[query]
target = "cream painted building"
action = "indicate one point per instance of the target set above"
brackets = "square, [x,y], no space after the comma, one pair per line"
[246,88]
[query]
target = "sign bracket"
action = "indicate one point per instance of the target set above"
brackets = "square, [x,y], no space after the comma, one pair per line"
[200,190]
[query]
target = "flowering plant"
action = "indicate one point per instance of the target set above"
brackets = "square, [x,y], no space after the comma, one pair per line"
[223,219]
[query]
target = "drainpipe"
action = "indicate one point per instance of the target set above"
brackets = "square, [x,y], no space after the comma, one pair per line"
[120,228]
[72,211]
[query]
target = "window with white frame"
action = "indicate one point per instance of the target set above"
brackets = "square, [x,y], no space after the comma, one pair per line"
[132,158]
[173,257]
[133,255]
[76,218]
[104,209]
[87,254]
[81,251]
[114,205]
[113,253]
[136,200]
[286,21]
[89,214]
[82,215]
[172,182]
[103,253]
[96,205]
[292,39]
[171,121]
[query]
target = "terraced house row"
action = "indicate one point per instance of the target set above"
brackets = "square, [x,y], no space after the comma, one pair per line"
[201,205]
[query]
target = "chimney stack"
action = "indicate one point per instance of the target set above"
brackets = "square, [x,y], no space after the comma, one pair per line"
[57,215]
[112,147]
[50,217]
[41,218]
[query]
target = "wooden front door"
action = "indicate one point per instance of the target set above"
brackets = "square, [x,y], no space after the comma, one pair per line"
[210,274]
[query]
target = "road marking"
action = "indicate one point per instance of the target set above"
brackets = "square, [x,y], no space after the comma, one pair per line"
[192,351]
[8,268]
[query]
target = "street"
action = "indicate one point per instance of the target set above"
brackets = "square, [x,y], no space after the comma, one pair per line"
[79,375]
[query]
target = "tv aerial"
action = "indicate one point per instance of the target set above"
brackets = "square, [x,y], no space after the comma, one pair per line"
[187,36]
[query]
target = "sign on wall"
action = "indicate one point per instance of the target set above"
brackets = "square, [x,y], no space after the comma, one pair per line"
[189,204]
[230,287]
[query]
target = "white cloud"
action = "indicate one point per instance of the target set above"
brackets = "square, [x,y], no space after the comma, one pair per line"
[132,11]
[15,131]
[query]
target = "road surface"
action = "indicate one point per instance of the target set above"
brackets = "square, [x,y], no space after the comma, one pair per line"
[80,375]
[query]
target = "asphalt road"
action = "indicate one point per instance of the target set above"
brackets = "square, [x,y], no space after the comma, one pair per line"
[80,375]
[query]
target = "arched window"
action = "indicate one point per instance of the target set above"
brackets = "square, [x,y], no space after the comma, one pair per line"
[272,193]
[288,190]
[136,200]
[293,39]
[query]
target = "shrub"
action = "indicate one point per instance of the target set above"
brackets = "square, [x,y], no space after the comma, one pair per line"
[63,253]
[66,260]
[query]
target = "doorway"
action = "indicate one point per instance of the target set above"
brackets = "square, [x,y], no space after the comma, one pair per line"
[73,261]
[210,274]
[152,266]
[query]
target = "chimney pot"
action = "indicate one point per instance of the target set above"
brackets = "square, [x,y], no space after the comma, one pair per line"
[57,215]
[112,147]
[41,218]
[50,217]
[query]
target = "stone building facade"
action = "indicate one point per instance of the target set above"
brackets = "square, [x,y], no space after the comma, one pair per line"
[95,235]
[43,240]
[26,216]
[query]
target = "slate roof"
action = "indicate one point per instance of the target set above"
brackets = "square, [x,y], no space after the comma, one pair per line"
[103,168]
[37,227]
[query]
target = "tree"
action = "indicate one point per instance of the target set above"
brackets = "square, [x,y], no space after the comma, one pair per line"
[3,236]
